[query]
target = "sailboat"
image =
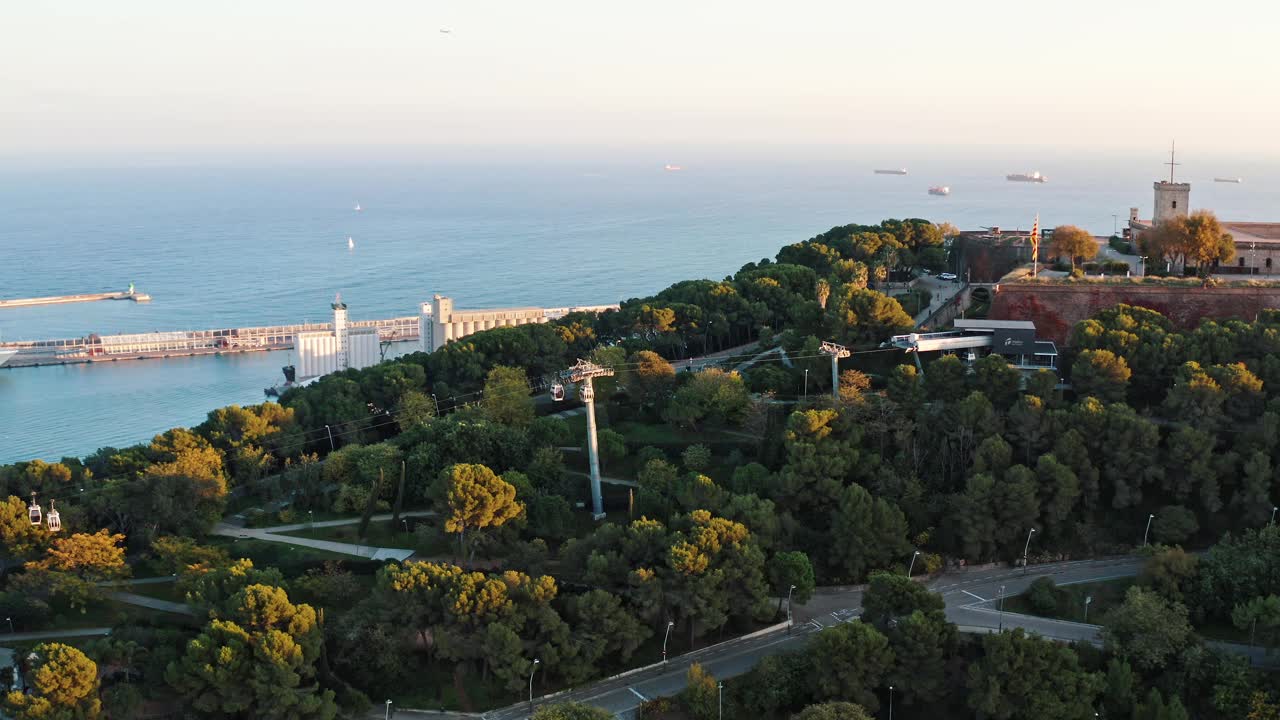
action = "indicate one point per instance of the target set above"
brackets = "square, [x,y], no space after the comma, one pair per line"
[358,208]
[351,244]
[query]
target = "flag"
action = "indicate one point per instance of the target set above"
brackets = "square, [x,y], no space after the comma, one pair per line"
[1035,246]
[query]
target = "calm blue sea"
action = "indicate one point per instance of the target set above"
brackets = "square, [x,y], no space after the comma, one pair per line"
[224,245]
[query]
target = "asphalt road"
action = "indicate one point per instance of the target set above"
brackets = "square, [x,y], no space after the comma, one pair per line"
[972,602]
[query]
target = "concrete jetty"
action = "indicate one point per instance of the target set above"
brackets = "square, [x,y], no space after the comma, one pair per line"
[129,294]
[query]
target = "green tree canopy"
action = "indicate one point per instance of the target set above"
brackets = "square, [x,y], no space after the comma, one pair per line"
[475,498]
[1073,243]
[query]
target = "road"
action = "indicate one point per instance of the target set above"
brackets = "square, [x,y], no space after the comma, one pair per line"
[972,600]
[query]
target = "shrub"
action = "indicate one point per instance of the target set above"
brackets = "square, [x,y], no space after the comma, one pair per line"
[696,457]
[1043,595]
[1173,524]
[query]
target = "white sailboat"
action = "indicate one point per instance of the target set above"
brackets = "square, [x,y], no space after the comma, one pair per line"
[351,244]
[358,208]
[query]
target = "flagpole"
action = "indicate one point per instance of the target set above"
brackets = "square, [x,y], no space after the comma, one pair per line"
[1035,247]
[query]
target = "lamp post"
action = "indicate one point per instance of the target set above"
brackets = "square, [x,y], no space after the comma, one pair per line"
[1001,608]
[1150,517]
[1026,549]
[1087,599]
[720,699]
[387,715]
[311,519]
[1273,514]
[10,621]
[533,671]
[890,702]
[806,384]
[1144,265]
[789,591]
[912,564]
[670,624]
[332,447]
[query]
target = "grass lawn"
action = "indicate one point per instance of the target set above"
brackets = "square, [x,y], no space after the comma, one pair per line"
[272,554]
[378,535]
[160,591]
[915,301]
[1106,595]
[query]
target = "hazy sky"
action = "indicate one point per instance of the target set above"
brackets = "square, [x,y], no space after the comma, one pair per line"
[124,76]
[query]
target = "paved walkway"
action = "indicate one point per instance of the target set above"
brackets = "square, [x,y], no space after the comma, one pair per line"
[53,634]
[270,534]
[152,603]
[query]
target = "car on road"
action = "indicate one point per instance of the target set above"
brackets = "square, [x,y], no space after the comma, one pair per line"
[947,276]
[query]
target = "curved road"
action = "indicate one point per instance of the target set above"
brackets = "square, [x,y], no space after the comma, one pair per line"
[971,599]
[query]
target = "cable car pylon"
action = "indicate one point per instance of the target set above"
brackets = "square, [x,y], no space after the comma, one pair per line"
[583,372]
[836,352]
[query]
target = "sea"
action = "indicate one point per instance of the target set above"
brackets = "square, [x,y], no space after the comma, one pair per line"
[232,242]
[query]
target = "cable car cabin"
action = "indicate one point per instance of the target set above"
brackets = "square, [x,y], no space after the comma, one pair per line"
[33,512]
[557,392]
[52,521]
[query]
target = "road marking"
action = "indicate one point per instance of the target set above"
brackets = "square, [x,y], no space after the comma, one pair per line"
[966,592]
[637,694]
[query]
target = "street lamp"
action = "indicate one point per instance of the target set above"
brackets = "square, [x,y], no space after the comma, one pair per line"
[890,702]
[387,715]
[1025,549]
[720,689]
[912,564]
[789,591]
[1087,599]
[1273,515]
[670,624]
[806,384]
[10,621]
[533,671]
[1148,530]
[1144,265]
[1001,608]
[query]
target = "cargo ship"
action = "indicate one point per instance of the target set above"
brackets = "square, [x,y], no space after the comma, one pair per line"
[899,171]
[672,168]
[1235,181]
[941,190]
[1034,177]
[6,354]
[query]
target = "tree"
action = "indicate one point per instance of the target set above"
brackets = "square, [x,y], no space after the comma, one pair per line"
[1197,238]
[866,533]
[892,595]
[414,408]
[476,499]
[833,711]
[922,643]
[1102,374]
[1260,613]
[1118,695]
[1171,572]
[605,628]
[258,662]
[1155,708]
[854,385]
[506,397]
[850,661]
[945,379]
[612,446]
[696,457]
[1173,524]
[1073,242]
[711,396]
[570,711]
[700,695]
[999,381]
[19,539]
[1021,677]
[95,557]
[788,569]
[652,380]
[1146,629]
[906,387]
[64,686]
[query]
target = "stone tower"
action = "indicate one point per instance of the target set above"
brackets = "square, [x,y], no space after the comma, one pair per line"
[1172,200]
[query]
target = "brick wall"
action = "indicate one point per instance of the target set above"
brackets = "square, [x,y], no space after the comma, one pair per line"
[1055,309]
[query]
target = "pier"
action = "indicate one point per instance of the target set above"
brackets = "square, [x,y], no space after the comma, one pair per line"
[129,294]
[185,343]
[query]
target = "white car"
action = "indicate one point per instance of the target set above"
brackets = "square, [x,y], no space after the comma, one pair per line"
[946,276]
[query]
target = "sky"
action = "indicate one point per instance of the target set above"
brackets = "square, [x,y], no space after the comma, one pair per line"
[81,78]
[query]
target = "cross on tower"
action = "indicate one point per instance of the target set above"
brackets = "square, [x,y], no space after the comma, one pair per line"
[1172,147]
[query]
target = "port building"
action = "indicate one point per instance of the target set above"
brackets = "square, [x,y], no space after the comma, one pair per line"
[328,351]
[440,323]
